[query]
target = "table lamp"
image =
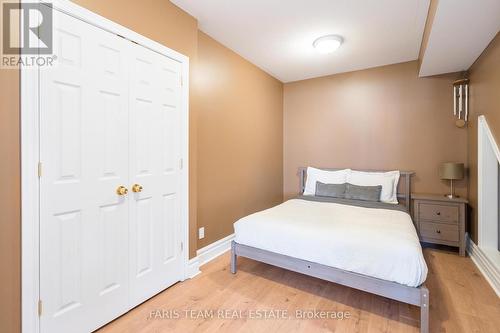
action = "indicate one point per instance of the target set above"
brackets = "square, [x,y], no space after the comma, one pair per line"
[451,172]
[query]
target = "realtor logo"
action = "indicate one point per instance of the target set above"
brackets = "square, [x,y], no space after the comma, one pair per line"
[27,28]
[27,34]
[34,35]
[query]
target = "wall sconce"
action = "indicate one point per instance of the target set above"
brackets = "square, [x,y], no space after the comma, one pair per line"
[461,101]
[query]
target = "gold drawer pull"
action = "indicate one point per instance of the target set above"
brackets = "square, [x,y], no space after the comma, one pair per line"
[438,231]
[136,188]
[438,213]
[121,190]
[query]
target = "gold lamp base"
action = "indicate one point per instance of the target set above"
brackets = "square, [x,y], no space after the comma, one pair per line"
[452,194]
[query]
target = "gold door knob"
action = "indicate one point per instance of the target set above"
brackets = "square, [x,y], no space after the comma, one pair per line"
[121,190]
[136,188]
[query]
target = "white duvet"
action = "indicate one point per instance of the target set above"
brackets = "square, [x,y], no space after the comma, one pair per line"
[380,243]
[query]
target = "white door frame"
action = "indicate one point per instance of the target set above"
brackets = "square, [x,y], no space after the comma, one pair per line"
[30,159]
[485,139]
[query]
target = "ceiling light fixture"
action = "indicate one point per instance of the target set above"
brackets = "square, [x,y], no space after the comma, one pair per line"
[328,44]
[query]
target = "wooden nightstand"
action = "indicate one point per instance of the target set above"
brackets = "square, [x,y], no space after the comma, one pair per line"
[440,220]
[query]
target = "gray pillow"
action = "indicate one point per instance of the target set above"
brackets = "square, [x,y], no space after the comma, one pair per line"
[330,190]
[366,193]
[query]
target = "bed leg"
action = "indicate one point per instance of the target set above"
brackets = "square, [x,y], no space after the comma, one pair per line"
[233,258]
[424,310]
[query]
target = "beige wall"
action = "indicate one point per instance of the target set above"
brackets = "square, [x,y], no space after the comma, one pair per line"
[10,230]
[10,210]
[484,100]
[240,133]
[380,118]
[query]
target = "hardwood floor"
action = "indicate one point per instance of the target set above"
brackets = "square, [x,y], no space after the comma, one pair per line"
[461,301]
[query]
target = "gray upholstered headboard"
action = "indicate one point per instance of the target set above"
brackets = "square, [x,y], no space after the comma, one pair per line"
[404,186]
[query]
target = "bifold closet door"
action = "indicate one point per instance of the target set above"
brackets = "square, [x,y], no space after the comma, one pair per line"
[109,118]
[84,139]
[155,122]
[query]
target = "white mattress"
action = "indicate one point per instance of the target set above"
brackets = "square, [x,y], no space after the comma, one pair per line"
[376,242]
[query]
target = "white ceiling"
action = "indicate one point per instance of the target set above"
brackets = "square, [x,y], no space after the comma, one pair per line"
[460,32]
[277,35]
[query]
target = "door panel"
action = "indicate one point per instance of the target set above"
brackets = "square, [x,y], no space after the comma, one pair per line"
[68,97]
[154,164]
[169,227]
[144,240]
[108,148]
[143,143]
[84,151]
[111,220]
[63,265]
[67,243]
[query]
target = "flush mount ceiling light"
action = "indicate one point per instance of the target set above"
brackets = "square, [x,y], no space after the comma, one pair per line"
[328,44]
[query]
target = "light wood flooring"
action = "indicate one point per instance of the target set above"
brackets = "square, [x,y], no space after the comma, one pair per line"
[460,301]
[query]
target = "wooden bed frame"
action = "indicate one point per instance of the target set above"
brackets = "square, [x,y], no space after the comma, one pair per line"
[418,296]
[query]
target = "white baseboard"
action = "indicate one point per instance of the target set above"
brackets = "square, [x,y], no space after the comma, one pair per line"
[193,268]
[207,254]
[212,251]
[490,272]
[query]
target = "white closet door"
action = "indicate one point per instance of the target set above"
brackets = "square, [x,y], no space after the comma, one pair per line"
[109,117]
[155,96]
[84,224]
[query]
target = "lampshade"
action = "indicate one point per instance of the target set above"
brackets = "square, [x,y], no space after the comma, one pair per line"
[451,171]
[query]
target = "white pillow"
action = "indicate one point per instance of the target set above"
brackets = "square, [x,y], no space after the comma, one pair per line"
[327,177]
[388,180]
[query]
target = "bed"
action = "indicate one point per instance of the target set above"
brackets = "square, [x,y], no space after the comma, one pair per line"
[370,246]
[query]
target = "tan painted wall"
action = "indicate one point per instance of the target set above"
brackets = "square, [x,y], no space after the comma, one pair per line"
[380,118]
[484,100]
[240,133]
[10,211]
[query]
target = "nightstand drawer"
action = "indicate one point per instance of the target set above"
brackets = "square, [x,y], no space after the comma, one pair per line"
[437,212]
[439,231]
